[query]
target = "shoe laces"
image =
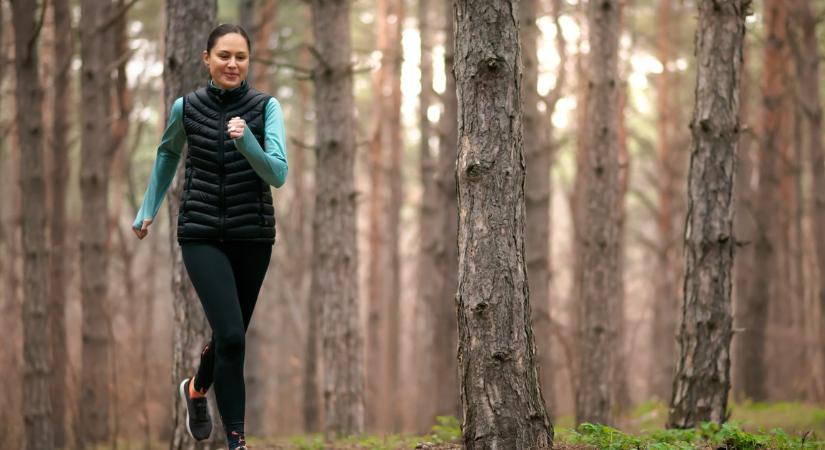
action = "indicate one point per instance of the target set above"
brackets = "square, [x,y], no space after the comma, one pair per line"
[201,411]
[241,442]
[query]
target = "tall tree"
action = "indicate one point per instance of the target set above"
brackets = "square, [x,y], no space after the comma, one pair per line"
[334,254]
[63,53]
[426,272]
[496,351]
[768,206]
[665,305]
[600,216]
[445,369]
[537,194]
[37,361]
[806,55]
[702,379]
[188,23]
[96,156]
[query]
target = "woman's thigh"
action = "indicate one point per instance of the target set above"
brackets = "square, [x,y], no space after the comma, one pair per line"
[212,275]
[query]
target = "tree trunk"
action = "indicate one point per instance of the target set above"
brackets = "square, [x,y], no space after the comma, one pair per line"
[426,273]
[63,52]
[335,257]
[261,50]
[665,304]
[600,239]
[537,196]
[96,390]
[37,361]
[500,392]
[188,23]
[702,380]
[445,368]
[807,61]
[767,245]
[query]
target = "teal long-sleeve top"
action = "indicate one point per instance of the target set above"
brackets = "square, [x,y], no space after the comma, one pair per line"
[269,162]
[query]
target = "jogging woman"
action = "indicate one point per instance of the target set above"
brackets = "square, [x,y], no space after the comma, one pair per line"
[226,222]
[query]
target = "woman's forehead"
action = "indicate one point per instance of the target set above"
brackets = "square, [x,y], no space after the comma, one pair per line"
[233,42]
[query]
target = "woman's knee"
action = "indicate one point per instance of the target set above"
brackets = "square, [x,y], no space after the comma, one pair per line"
[230,346]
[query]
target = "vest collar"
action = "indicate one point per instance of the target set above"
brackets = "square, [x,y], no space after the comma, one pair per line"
[227,95]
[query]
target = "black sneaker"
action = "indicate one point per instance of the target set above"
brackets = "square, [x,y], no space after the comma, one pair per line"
[198,420]
[239,438]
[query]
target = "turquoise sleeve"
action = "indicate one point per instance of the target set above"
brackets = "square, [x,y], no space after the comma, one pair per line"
[269,163]
[166,163]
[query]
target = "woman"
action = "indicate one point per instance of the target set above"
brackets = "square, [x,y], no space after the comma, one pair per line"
[226,222]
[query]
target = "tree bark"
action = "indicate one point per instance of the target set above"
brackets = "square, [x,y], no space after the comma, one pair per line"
[769,210]
[37,354]
[600,239]
[63,52]
[702,380]
[335,257]
[500,392]
[188,23]
[445,368]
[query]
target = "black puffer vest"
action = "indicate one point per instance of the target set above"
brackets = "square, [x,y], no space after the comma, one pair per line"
[223,199]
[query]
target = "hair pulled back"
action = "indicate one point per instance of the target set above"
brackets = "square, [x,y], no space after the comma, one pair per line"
[226,28]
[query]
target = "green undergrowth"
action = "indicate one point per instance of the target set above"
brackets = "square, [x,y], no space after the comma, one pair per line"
[753,426]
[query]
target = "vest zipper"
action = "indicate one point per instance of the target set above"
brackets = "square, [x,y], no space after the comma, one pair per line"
[222,171]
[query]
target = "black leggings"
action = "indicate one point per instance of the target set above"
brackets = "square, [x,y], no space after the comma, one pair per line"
[227,277]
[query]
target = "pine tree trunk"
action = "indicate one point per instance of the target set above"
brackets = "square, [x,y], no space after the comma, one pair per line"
[37,355]
[261,46]
[537,195]
[426,273]
[188,23]
[63,52]
[768,209]
[665,305]
[500,393]
[600,239]
[335,257]
[702,380]
[807,61]
[445,368]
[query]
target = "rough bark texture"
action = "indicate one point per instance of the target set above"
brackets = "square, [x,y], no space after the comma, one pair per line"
[702,380]
[445,369]
[188,23]
[426,273]
[666,285]
[536,195]
[335,257]
[500,393]
[807,56]
[63,52]
[768,208]
[96,156]
[600,233]
[37,349]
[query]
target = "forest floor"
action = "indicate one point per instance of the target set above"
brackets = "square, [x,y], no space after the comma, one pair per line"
[753,426]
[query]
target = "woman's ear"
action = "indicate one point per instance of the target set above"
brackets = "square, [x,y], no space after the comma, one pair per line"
[206,58]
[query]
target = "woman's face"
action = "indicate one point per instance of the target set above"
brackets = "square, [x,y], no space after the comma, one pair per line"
[228,61]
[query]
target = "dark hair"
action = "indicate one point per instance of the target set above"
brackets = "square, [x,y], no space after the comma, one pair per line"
[226,28]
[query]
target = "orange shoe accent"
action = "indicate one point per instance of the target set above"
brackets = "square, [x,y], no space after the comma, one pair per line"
[192,392]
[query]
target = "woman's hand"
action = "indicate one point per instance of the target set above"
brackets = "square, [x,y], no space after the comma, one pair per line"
[144,229]
[235,127]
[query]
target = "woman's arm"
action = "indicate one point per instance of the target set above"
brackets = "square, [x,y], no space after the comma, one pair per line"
[165,165]
[270,163]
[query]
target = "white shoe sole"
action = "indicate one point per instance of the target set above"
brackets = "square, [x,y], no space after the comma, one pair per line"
[185,406]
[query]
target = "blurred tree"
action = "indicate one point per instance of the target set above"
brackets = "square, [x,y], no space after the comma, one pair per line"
[37,358]
[334,253]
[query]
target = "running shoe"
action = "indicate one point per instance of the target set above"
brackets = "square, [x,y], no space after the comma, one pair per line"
[198,420]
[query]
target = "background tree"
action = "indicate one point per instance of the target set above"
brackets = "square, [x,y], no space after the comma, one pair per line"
[496,351]
[335,257]
[37,363]
[600,216]
[702,379]
[187,24]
